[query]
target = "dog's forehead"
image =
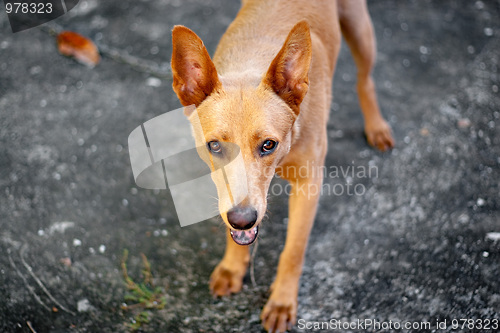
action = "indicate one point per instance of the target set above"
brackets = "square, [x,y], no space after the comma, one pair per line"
[245,114]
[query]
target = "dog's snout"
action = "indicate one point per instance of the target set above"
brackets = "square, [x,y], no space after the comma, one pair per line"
[242,217]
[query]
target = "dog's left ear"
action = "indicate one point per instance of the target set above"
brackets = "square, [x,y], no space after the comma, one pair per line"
[287,75]
[194,73]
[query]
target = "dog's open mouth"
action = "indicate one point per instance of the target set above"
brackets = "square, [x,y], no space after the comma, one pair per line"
[245,237]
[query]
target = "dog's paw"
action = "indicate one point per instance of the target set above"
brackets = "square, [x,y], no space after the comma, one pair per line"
[225,280]
[280,312]
[379,135]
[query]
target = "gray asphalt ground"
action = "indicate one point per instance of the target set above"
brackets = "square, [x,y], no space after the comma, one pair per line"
[415,244]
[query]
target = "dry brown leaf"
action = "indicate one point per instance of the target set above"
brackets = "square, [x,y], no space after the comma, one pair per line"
[74,45]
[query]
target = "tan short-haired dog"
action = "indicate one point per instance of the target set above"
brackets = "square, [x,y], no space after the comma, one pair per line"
[268,91]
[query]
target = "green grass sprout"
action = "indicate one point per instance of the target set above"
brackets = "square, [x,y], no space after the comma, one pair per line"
[143,295]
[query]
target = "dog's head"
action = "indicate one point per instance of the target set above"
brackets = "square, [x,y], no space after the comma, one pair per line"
[245,116]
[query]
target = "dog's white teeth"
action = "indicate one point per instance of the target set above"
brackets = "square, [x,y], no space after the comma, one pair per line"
[246,237]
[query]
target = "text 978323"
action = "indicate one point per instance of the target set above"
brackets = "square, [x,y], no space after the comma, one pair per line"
[29,7]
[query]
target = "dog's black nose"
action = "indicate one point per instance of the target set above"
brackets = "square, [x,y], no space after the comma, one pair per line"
[242,218]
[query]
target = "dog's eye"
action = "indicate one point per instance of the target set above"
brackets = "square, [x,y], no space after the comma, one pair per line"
[268,147]
[214,147]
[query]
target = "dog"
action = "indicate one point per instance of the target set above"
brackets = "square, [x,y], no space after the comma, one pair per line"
[267,91]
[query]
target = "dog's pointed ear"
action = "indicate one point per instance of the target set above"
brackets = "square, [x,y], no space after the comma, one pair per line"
[287,75]
[194,73]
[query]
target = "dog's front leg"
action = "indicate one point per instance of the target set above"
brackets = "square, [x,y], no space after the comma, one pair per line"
[280,312]
[227,277]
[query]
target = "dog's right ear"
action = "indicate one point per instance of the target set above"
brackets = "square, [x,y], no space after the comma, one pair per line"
[194,73]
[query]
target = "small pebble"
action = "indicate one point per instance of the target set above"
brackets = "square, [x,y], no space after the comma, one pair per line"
[66,261]
[494,236]
[83,305]
[154,50]
[153,82]
[488,32]
[463,123]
